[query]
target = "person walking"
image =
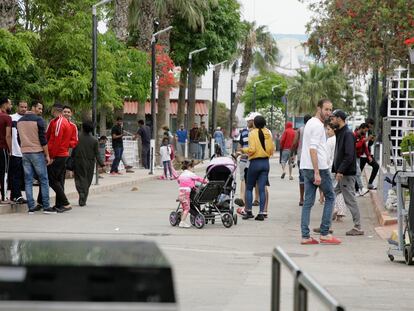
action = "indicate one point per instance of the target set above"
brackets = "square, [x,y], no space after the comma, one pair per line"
[60,138]
[364,159]
[204,137]
[181,134]
[315,168]
[117,145]
[286,144]
[165,153]
[35,156]
[194,141]
[362,152]
[344,167]
[5,144]
[16,172]
[298,145]
[219,140]
[144,132]
[259,150]
[85,155]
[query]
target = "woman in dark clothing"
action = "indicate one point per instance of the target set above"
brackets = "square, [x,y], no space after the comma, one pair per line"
[85,154]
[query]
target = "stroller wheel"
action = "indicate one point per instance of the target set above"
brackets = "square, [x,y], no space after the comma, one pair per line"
[192,220]
[391,257]
[408,255]
[199,221]
[227,220]
[235,219]
[175,218]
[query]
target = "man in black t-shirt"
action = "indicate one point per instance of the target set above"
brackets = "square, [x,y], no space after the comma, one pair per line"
[117,145]
[144,132]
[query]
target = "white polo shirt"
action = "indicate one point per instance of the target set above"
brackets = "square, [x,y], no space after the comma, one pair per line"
[314,137]
[15,144]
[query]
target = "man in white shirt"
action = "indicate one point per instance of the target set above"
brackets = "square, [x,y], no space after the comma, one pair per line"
[16,174]
[314,163]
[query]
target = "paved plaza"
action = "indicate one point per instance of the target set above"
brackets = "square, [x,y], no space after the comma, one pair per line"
[229,269]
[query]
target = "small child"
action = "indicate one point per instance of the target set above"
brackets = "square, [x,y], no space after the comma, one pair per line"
[165,153]
[187,181]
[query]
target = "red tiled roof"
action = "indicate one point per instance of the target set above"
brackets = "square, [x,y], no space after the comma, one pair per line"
[132,107]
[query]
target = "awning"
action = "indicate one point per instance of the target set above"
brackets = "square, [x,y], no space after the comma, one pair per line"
[131,107]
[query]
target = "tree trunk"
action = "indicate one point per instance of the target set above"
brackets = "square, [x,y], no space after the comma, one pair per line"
[146,26]
[181,97]
[120,22]
[8,14]
[141,111]
[247,59]
[191,100]
[102,122]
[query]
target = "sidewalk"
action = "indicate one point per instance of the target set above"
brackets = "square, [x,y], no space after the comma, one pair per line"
[106,184]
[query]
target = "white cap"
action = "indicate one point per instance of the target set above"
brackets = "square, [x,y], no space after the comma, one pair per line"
[251,116]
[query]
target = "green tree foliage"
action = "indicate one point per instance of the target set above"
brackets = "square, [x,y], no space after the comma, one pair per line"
[223,115]
[52,61]
[222,31]
[264,91]
[361,34]
[318,82]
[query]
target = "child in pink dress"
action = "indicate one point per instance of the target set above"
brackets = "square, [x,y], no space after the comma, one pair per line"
[187,180]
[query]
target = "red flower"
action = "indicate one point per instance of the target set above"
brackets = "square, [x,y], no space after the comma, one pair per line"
[409,41]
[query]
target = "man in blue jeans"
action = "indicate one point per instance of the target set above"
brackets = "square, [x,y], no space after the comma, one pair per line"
[117,145]
[315,168]
[33,143]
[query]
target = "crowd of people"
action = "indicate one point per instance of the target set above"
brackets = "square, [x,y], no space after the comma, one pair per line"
[35,153]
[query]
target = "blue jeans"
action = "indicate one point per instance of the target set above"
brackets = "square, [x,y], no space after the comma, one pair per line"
[258,172]
[310,193]
[35,163]
[202,152]
[167,168]
[118,156]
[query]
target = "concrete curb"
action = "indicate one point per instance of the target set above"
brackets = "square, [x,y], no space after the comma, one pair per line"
[73,195]
[382,214]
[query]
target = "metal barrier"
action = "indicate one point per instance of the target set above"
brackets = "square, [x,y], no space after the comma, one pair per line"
[303,284]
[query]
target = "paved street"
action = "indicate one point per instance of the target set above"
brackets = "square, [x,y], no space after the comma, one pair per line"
[229,269]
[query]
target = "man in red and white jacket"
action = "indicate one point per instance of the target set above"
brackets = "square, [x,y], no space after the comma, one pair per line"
[364,155]
[60,136]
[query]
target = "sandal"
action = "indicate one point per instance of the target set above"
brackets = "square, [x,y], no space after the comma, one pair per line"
[330,240]
[309,241]
[240,211]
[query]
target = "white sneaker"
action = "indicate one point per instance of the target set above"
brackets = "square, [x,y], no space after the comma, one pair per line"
[183,224]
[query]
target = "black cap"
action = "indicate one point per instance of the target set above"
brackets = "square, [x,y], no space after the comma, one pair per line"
[339,114]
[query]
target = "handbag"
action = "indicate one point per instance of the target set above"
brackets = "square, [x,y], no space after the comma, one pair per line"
[70,161]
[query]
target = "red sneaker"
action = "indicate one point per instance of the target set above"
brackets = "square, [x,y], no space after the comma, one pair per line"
[330,240]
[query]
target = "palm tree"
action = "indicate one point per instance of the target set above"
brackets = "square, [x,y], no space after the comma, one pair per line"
[258,49]
[318,82]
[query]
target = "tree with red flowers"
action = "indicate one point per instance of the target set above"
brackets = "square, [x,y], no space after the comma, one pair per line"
[362,36]
[164,69]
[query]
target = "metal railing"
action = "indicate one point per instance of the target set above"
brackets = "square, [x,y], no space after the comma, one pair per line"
[303,284]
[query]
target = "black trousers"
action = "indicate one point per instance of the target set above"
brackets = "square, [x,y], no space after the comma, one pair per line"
[16,177]
[373,164]
[83,178]
[145,156]
[4,168]
[56,172]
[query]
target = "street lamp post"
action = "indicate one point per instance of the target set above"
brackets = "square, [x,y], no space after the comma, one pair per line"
[191,97]
[153,95]
[214,98]
[94,73]
[254,93]
[273,105]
